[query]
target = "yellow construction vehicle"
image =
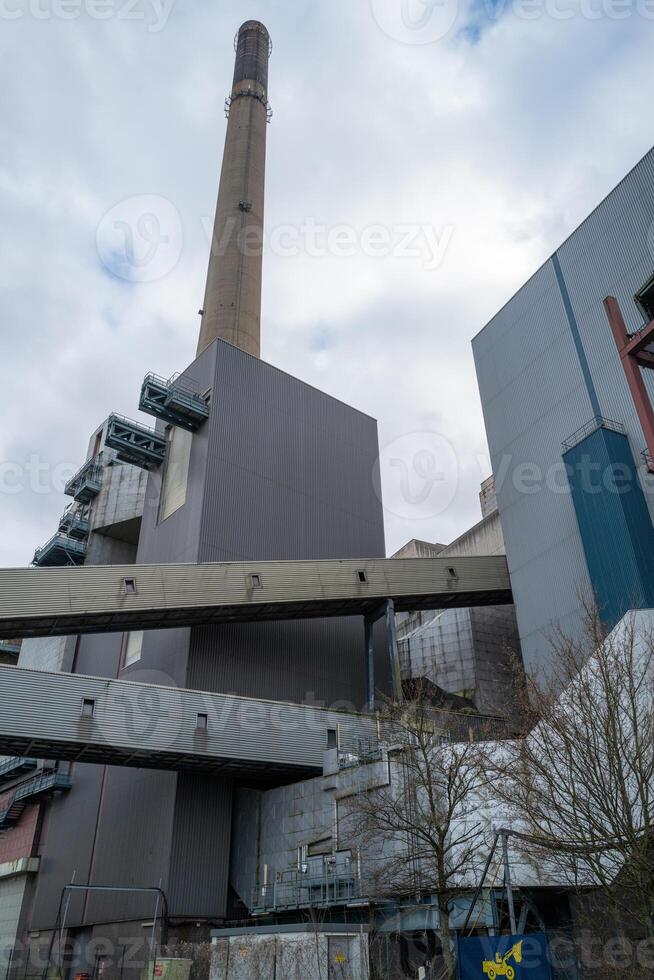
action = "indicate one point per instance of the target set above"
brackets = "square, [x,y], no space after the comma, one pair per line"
[500,967]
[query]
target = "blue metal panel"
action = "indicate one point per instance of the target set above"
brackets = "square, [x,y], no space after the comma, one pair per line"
[614,522]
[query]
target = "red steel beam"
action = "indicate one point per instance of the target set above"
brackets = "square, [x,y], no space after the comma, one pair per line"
[633,358]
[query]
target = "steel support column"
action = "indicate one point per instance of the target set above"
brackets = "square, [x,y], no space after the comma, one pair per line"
[634,357]
[393,654]
[369,624]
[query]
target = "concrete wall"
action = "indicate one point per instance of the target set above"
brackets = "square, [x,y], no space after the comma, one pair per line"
[546,364]
[12,893]
[301,955]
[54,653]
[466,652]
[484,538]
[118,508]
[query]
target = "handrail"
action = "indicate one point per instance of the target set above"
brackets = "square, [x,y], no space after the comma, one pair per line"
[598,422]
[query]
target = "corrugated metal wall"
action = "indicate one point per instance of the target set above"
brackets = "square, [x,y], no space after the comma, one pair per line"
[534,396]
[201,841]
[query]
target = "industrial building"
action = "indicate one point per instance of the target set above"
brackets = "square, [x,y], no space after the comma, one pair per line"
[209,628]
[211,621]
[566,386]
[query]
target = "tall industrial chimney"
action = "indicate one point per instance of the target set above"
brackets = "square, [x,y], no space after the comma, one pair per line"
[232,301]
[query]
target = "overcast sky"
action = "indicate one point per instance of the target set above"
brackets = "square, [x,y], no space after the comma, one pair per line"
[472,137]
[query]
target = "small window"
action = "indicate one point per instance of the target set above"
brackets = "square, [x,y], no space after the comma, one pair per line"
[452,573]
[130,586]
[332,738]
[362,576]
[133,647]
[254,581]
[88,708]
[645,300]
[202,723]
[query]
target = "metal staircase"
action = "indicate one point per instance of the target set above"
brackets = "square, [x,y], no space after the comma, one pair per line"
[174,401]
[75,522]
[31,791]
[87,482]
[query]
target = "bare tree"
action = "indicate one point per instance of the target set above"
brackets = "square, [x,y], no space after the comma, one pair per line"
[418,831]
[580,782]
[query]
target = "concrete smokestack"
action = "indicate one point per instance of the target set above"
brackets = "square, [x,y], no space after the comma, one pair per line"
[232,300]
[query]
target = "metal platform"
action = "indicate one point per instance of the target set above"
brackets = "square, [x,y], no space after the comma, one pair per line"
[123,723]
[174,401]
[135,443]
[60,550]
[112,598]
[87,482]
[75,522]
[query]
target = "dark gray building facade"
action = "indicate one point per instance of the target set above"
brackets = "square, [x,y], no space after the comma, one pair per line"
[278,471]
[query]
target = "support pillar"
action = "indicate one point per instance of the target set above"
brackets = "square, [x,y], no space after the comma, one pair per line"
[393,654]
[634,357]
[369,623]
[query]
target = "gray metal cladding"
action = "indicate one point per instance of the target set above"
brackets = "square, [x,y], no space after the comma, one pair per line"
[146,725]
[203,824]
[95,599]
[132,842]
[69,851]
[534,396]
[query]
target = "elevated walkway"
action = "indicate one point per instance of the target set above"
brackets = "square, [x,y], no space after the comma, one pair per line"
[112,598]
[122,723]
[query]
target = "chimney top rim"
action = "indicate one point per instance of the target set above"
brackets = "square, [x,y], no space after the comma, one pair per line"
[253,25]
